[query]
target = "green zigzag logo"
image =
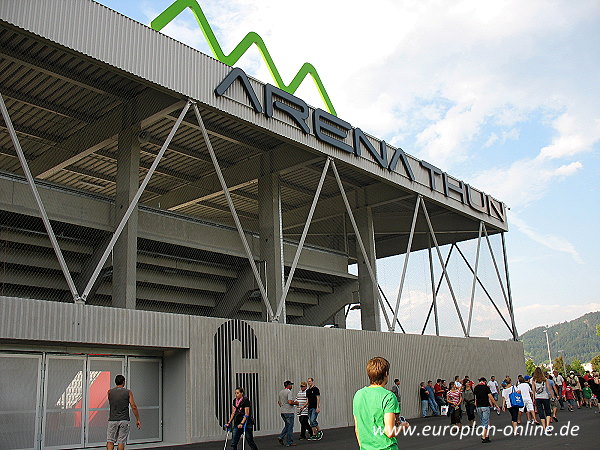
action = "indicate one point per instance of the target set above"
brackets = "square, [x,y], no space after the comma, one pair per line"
[251,38]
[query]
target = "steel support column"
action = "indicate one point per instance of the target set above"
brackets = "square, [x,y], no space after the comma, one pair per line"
[487,238]
[405,266]
[134,202]
[439,285]
[370,320]
[462,324]
[511,309]
[236,219]
[483,287]
[313,206]
[433,289]
[474,285]
[38,200]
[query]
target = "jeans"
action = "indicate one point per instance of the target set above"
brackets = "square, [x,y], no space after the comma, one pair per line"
[440,400]
[455,414]
[237,433]
[312,417]
[434,407]
[484,416]
[560,397]
[424,407]
[287,433]
[304,427]
[470,407]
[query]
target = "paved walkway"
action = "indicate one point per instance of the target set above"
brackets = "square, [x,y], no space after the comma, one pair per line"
[587,436]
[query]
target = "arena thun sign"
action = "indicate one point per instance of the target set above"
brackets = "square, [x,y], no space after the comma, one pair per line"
[334,131]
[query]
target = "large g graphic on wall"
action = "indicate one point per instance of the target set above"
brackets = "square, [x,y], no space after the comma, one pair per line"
[224,377]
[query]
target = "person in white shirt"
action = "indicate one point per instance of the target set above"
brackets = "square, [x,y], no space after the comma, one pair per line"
[493,385]
[457,382]
[524,388]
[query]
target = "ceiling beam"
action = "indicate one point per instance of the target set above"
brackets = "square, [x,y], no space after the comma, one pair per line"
[146,108]
[238,175]
[62,73]
[333,206]
[46,105]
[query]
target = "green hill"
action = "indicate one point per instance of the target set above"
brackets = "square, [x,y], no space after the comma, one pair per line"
[577,338]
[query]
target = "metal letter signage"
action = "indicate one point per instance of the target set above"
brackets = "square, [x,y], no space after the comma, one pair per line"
[224,377]
[336,132]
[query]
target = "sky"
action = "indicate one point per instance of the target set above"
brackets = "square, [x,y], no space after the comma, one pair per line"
[502,94]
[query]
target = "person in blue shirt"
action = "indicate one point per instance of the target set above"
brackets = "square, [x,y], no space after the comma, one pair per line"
[432,403]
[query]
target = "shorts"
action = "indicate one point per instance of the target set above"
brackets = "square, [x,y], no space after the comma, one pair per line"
[118,431]
[527,405]
[543,407]
[312,417]
[484,416]
[554,402]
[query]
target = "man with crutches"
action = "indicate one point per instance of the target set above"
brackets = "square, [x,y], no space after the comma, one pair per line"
[240,422]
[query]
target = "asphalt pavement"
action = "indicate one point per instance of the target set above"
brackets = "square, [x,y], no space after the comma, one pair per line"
[580,428]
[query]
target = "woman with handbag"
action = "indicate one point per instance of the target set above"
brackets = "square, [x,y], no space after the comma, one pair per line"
[512,401]
[469,399]
[454,398]
[543,394]
[240,420]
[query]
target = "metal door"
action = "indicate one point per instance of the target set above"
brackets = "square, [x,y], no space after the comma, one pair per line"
[145,380]
[20,381]
[101,377]
[64,402]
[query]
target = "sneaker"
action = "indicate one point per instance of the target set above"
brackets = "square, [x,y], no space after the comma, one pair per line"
[486,440]
[312,438]
[555,419]
[319,435]
[498,411]
[280,441]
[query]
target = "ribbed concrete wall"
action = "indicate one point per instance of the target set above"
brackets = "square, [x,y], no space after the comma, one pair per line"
[336,358]
[39,320]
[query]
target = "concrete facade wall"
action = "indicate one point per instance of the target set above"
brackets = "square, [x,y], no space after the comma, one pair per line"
[336,358]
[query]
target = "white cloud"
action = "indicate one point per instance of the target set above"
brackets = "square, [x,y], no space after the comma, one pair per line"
[524,181]
[577,134]
[541,314]
[551,241]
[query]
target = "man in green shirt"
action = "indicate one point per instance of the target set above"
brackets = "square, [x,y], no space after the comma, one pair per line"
[375,410]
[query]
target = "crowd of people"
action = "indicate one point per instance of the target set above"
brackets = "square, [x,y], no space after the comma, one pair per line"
[540,397]
[375,408]
[530,400]
[305,404]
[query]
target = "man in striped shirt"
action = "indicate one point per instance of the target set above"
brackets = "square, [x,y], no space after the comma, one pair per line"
[302,411]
